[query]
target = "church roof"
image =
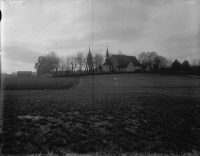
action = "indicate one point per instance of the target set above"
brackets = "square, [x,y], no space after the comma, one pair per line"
[107,62]
[124,60]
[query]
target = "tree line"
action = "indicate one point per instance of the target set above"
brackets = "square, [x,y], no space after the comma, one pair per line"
[186,66]
[52,63]
[152,61]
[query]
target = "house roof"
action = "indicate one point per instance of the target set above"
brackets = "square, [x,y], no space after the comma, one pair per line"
[124,60]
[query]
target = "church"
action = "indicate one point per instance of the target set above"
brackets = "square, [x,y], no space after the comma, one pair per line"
[121,63]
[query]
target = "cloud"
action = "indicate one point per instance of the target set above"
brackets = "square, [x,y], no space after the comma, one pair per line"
[7,66]
[20,53]
[181,46]
[189,1]
[68,27]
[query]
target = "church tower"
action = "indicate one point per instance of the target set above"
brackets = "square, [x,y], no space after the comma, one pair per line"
[107,54]
[89,61]
[107,66]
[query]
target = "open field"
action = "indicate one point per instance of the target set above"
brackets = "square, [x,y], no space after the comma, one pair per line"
[106,114]
[37,83]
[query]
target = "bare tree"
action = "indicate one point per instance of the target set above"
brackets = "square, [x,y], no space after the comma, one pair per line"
[67,65]
[62,63]
[98,61]
[195,62]
[163,62]
[169,62]
[53,61]
[80,60]
[151,56]
[147,59]
[159,62]
[72,63]
[85,64]
[142,58]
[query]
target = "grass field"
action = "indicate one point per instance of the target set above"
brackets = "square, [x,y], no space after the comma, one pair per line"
[37,83]
[139,113]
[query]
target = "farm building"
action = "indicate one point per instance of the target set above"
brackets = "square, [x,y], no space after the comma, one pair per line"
[34,74]
[121,63]
[24,73]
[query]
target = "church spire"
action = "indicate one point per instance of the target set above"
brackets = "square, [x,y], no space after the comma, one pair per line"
[107,54]
[89,50]
[89,60]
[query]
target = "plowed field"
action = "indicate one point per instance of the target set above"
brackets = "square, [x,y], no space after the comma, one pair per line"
[105,114]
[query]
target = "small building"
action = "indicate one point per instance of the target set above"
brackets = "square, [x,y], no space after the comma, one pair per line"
[34,74]
[24,73]
[121,63]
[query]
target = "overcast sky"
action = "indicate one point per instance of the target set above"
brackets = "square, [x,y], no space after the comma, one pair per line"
[169,27]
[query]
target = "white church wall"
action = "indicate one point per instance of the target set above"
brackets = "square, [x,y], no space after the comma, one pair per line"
[130,67]
[114,63]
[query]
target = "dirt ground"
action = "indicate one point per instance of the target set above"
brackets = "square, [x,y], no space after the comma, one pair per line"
[105,114]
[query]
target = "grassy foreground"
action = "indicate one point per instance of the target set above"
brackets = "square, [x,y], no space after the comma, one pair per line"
[38,83]
[123,114]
